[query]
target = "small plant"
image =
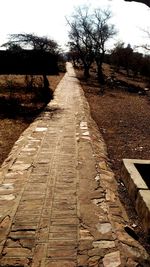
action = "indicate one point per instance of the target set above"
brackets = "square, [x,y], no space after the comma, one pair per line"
[43,92]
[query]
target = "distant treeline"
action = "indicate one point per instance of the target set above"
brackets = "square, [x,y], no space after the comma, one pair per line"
[28,62]
[125,57]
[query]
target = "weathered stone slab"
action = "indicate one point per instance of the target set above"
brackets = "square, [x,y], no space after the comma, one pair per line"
[143,208]
[137,189]
[112,259]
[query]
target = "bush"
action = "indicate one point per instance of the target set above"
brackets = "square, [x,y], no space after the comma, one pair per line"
[31,96]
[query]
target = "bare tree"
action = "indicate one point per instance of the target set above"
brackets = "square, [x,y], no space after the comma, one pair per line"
[147,46]
[80,39]
[89,33]
[33,41]
[101,33]
[41,45]
[146,2]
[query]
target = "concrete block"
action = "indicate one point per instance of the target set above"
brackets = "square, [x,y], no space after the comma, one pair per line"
[143,208]
[138,190]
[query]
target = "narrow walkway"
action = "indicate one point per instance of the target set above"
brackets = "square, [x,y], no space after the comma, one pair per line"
[58,197]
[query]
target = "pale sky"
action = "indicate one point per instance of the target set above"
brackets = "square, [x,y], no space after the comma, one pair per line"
[47,18]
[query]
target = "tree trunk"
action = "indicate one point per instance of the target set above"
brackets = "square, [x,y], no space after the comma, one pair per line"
[46,92]
[100,74]
[86,72]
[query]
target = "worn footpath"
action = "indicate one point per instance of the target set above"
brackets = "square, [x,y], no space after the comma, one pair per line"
[59,205]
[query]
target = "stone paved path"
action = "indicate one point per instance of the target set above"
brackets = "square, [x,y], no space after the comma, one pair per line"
[58,197]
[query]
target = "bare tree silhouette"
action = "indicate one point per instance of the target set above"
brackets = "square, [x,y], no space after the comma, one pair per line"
[89,32]
[31,40]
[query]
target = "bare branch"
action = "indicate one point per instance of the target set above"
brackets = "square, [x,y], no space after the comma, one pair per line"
[89,32]
[32,40]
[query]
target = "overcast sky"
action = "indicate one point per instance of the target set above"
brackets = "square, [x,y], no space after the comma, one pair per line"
[47,17]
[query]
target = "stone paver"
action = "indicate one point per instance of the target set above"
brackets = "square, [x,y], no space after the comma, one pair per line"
[59,203]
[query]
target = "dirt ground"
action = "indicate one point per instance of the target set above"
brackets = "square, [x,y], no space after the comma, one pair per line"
[123,120]
[12,127]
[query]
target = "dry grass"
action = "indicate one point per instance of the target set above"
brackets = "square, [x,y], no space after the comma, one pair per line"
[54,80]
[12,127]
[122,75]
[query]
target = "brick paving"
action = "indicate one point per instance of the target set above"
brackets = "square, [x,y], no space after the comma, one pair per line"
[59,205]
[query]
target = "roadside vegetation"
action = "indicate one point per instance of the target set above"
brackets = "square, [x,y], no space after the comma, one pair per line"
[25,86]
[28,79]
[12,122]
[89,34]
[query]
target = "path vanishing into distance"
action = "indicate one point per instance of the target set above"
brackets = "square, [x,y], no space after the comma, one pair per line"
[59,205]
